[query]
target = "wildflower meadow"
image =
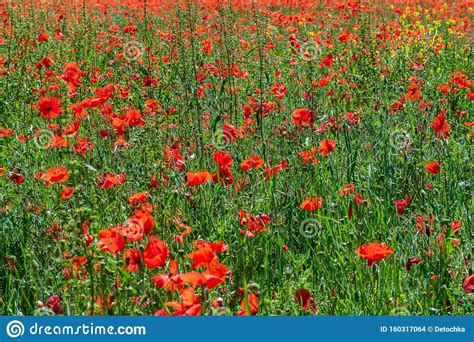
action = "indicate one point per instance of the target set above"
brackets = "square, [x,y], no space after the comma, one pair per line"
[219,157]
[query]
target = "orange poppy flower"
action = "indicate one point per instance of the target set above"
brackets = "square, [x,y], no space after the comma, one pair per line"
[57,142]
[67,192]
[202,257]
[326,146]
[198,178]
[312,203]
[55,175]
[413,92]
[252,163]
[111,240]
[138,197]
[374,251]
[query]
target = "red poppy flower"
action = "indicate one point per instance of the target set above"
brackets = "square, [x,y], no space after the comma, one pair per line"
[347,189]
[16,178]
[374,251]
[312,203]
[254,223]
[144,219]
[155,253]
[111,240]
[326,146]
[83,145]
[55,175]
[173,154]
[5,132]
[223,159]
[303,298]
[43,37]
[327,61]
[193,278]
[411,262]
[71,73]
[432,167]
[252,163]
[202,257]
[54,302]
[85,232]
[279,90]
[138,197]
[413,92]
[57,142]
[302,117]
[273,171]
[108,180]
[206,46]
[456,225]
[309,156]
[252,302]
[468,284]
[198,178]
[132,260]
[440,126]
[49,107]
[223,177]
[133,230]
[190,304]
[401,204]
